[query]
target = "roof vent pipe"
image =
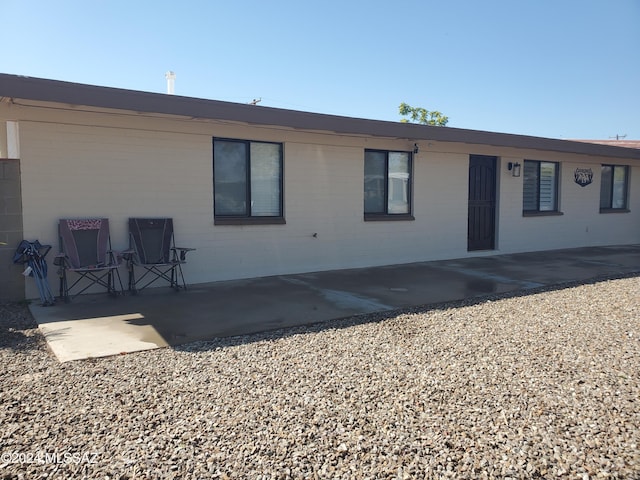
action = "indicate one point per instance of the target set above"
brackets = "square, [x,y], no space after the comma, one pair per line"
[171,82]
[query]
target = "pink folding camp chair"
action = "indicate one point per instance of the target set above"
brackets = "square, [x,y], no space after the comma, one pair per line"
[85,251]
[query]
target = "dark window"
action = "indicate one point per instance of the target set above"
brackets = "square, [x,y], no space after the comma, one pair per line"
[247,179]
[387,184]
[540,189]
[613,187]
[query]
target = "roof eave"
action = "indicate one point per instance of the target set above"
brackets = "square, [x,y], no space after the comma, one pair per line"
[30,88]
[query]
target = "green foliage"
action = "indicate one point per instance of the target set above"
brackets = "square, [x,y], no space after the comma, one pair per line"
[422,115]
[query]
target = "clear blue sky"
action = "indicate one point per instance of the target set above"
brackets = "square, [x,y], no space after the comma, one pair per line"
[551,68]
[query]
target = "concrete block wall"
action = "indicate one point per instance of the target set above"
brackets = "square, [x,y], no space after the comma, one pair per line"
[11,280]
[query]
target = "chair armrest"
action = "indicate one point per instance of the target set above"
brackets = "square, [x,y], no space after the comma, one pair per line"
[183,252]
[127,254]
[60,259]
[115,256]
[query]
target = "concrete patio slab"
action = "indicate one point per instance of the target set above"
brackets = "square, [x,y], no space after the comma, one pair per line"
[97,325]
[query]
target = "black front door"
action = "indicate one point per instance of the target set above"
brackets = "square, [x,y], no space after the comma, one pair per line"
[481,234]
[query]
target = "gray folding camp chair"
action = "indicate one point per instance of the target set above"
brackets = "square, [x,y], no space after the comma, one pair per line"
[152,248]
[85,249]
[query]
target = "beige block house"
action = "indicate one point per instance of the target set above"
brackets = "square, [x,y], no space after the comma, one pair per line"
[260,191]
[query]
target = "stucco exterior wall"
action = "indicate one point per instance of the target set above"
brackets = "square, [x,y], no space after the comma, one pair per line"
[89,164]
[581,223]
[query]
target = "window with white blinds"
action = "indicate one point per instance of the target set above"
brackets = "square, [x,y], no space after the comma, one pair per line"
[540,189]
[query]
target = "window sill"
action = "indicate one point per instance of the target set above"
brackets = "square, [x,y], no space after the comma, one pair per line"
[615,210]
[376,217]
[542,214]
[249,221]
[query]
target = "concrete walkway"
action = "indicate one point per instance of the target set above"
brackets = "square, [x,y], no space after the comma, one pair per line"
[97,325]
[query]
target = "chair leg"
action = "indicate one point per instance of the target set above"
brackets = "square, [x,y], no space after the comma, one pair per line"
[152,273]
[184,284]
[132,281]
[111,284]
[174,280]
[117,274]
[64,286]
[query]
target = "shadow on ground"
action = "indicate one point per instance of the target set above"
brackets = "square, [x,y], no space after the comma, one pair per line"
[18,329]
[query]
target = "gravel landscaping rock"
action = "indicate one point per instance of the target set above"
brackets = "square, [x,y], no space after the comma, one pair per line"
[542,385]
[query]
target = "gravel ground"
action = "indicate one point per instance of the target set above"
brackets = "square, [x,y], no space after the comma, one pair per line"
[545,385]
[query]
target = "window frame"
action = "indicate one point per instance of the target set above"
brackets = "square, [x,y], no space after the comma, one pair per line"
[247,218]
[556,198]
[385,215]
[610,208]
